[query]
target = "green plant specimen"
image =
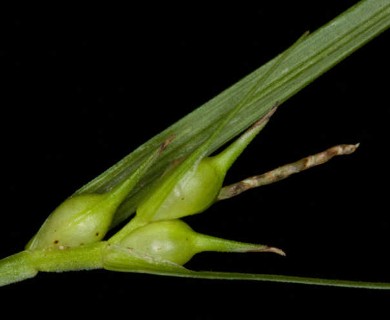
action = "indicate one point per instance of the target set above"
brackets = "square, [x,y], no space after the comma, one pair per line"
[177,174]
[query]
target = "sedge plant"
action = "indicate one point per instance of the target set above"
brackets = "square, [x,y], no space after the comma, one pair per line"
[178,173]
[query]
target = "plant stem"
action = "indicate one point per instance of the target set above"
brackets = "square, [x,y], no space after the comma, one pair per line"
[26,264]
[70,259]
[16,268]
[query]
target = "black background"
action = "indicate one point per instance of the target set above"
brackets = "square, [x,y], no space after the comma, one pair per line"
[83,88]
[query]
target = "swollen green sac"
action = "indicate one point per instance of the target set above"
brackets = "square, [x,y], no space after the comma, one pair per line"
[186,191]
[173,241]
[85,218]
[80,220]
[192,193]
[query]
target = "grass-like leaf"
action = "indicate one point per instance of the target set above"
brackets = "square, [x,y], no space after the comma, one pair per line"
[311,58]
[275,278]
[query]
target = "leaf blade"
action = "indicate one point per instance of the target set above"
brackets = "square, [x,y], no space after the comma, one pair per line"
[214,275]
[318,53]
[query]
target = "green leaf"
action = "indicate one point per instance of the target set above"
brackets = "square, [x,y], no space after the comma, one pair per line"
[311,58]
[182,272]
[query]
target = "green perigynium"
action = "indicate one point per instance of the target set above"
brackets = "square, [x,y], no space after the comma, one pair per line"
[175,242]
[86,218]
[80,220]
[178,195]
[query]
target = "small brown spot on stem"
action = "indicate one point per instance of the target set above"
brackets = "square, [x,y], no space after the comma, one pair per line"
[167,142]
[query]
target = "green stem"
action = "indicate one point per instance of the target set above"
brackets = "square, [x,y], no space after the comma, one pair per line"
[16,268]
[26,264]
[70,259]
